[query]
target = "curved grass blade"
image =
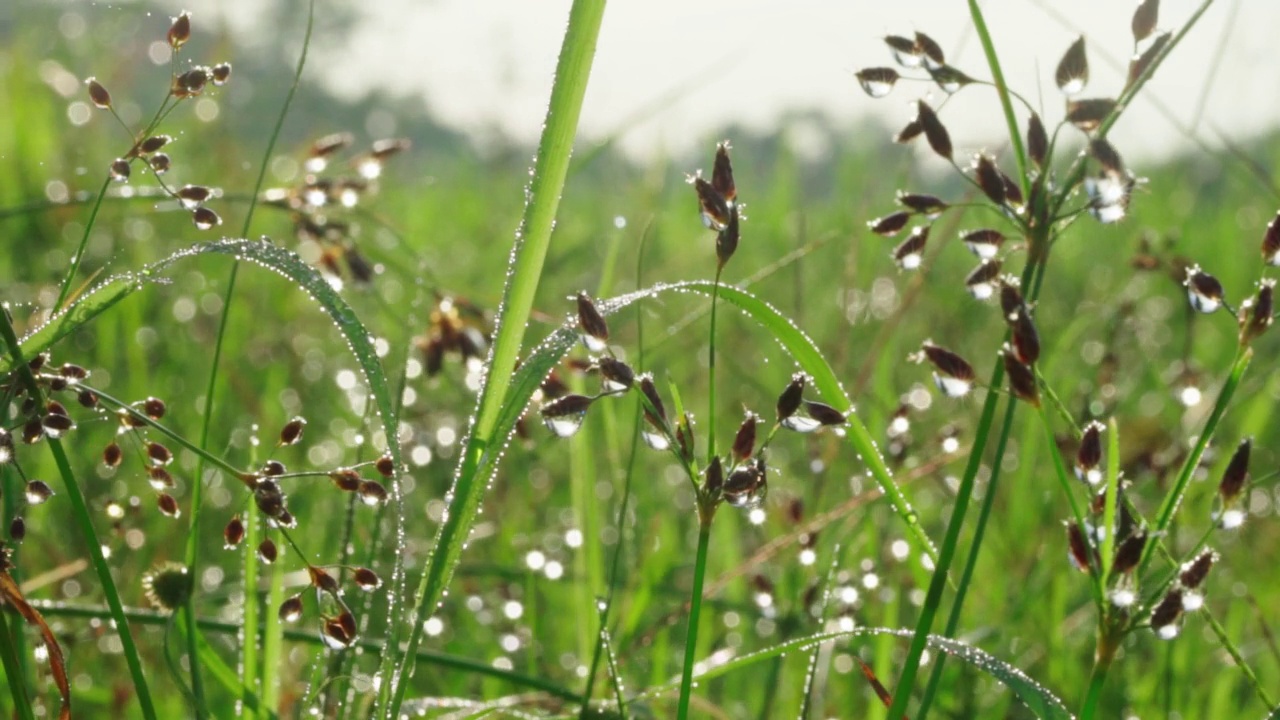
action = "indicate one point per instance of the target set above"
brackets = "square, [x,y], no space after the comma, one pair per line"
[86,307]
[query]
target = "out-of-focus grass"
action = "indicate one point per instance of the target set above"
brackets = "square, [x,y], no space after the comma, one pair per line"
[805,247]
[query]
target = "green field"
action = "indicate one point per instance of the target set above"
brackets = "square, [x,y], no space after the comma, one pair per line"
[793,595]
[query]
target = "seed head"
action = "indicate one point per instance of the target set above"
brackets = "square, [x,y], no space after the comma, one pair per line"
[1236,476]
[952,374]
[745,440]
[1078,547]
[592,323]
[233,533]
[322,580]
[791,397]
[180,30]
[618,376]
[221,73]
[877,82]
[168,505]
[1073,69]
[1037,141]
[1195,571]
[722,174]
[167,587]
[1258,312]
[890,224]
[1090,453]
[267,551]
[291,433]
[1022,381]
[366,579]
[1203,290]
[373,493]
[385,466]
[1129,553]
[714,475]
[290,609]
[711,204]
[934,131]
[98,94]
[988,177]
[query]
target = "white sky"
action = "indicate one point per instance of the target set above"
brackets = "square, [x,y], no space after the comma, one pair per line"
[668,72]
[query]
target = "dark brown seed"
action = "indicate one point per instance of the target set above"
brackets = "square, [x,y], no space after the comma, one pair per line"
[890,224]
[877,82]
[1139,64]
[1090,452]
[17,528]
[1260,313]
[989,179]
[180,30]
[362,271]
[1203,290]
[168,505]
[722,174]
[949,79]
[905,51]
[931,49]
[154,143]
[194,193]
[1012,191]
[159,454]
[984,243]
[712,205]
[6,447]
[1194,572]
[290,609]
[1169,609]
[192,82]
[656,413]
[160,163]
[119,170]
[433,355]
[112,455]
[233,533]
[714,477]
[98,94]
[1145,19]
[983,276]
[1236,475]
[387,147]
[947,362]
[87,398]
[322,580]
[1078,547]
[340,630]
[589,318]
[385,466]
[616,372]
[1026,339]
[366,579]
[38,362]
[824,413]
[291,433]
[154,408]
[1010,297]
[1129,553]
[269,497]
[567,405]
[267,551]
[1089,114]
[58,384]
[744,441]
[923,204]
[38,491]
[1022,382]
[1106,156]
[53,407]
[740,482]
[1037,141]
[909,254]
[1073,69]
[791,397]
[55,425]
[205,219]
[373,493]
[728,238]
[330,144]
[934,131]
[346,479]
[32,431]
[221,73]
[908,133]
[684,436]
[1271,242]
[160,478]
[273,468]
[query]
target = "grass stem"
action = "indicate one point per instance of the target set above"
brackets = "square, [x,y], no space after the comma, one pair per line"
[695,609]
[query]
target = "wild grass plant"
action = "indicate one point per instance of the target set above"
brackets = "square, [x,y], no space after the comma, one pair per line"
[356,485]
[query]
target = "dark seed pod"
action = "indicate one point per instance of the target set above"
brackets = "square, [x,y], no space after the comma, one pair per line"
[1073,69]
[1129,553]
[988,177]
[191,82]
[154,143]
[1090,453]
[17,528]
[1139,64]
[322,580]
[1107,156]
[745,440]
[981,282]
[267,551]
[192,195]
[909,132]
[366,579]
[722,174]
[340,631]
[291,433]
[984,243]
[1087,115]
[385,466]
[909,254]
[905,51]
[728,238]
[1012,191]
[373,493]
[233,533]
[1258,312]
[655,412]
[1168,611]
[712,205]
[791,397]
[159,454]
[684,436]
[1145,19]
[6,447]
[1026,339]
[389,147]
[119,170]
[36,363]
[890,224]
[32,431]
[923,204]
[934,131]
[1037,141]
[168,505]
[1078,547]
[98,94]
[221,73]
[160,478]
[37,492]
[1271,242]
[952,374]
[1022,382]
[617,374]
[180,30]
[877,82]
[87,398]
[269,497]
[53,407]
[290,609]
[1236,476]
[1010,297]
[273,468]
[565,406]
[1194,572]
[590,320]
[824,413]
[160,163]
[346,479]
[1203,290]
[949,79]
[931,50]
[112,455]
[56,424]
[714,475]
[205,219]
[740,482]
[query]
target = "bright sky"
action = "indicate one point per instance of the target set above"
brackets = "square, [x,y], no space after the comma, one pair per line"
[668,72]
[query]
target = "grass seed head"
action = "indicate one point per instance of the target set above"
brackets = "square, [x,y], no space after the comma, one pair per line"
[168,586]
[179,31]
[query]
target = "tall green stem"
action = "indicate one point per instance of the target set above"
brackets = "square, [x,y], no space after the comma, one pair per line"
[695,609]
[711,370]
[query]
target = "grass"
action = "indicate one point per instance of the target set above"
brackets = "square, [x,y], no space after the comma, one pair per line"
[565,524]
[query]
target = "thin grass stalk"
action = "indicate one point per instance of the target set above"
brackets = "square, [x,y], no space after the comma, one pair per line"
[711,369]
[1002,89]
[272,643]
[695,609]
[249,674]
[13,669]
[1097,678]
[76,259]
[11,488]
[528,254]
[197,488]
[82,518]
[971,563]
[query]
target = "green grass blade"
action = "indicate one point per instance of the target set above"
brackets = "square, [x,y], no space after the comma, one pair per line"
[1002,89]
[82,310]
